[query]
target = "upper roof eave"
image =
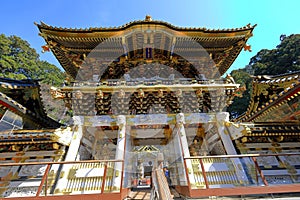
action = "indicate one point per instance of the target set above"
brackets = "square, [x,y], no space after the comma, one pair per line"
[19,109]
[259,80]
[43,25]
[64,40]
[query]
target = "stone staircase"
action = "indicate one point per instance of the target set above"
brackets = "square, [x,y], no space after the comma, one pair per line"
[146,194]
[140,194]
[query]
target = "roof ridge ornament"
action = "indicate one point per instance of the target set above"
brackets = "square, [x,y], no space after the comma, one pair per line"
[148,18]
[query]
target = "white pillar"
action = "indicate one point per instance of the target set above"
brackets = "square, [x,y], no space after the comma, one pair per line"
[221,118]
[225,136]
[117,178]
[128,160]
[71,154]
[180,121]
[181,171]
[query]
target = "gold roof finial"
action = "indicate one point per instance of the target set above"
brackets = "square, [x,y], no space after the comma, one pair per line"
[148,18]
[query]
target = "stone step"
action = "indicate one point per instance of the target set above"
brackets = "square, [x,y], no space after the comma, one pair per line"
[140,194]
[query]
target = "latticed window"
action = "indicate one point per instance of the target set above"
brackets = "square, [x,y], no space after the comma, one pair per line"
[10,121]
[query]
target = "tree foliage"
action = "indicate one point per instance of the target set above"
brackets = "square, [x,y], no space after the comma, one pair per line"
[19,61]
[55,108]
[240,104]
[285,58]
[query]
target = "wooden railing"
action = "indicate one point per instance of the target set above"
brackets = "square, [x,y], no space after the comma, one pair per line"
[154,189]
[241,175]
[160,185]
[44,179]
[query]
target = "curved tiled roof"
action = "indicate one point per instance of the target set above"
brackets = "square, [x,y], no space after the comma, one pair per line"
[269,93]
[31,117]
[72,45]
[273,129]
[138,22]
[25,137]
[12,94]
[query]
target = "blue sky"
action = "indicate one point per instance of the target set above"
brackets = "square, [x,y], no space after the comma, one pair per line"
[273,18]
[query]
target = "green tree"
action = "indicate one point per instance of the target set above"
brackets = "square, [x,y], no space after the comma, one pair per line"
[240,104]
[285,58]
[19,61]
